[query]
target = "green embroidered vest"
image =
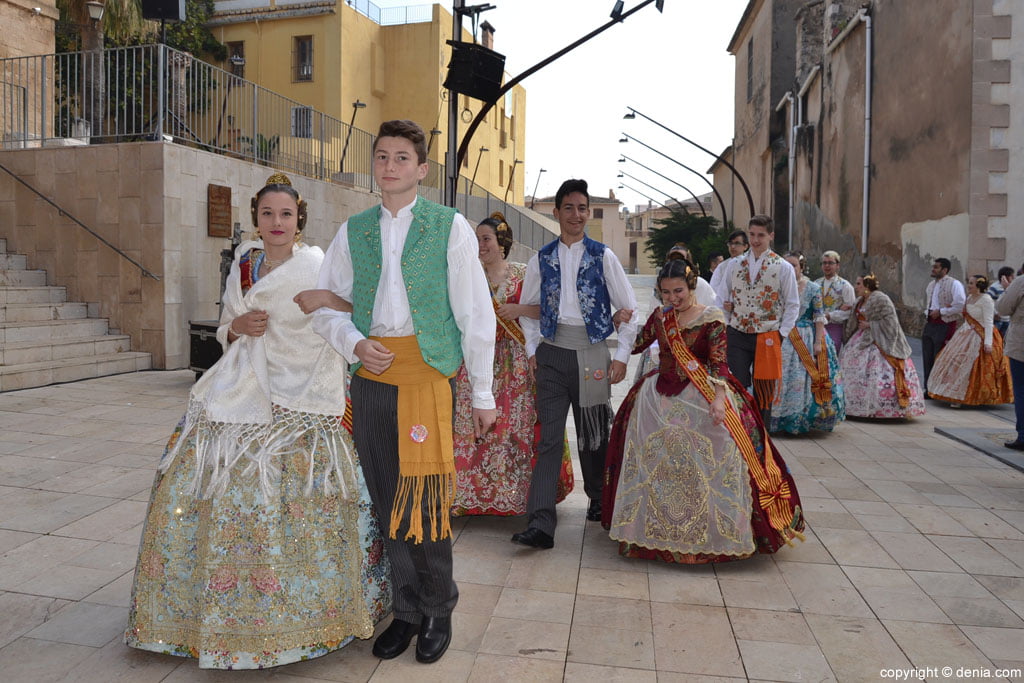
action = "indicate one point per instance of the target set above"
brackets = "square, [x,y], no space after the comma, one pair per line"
[425,272]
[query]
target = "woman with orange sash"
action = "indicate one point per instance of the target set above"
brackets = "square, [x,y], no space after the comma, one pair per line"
[878,374]
[691,475]
[493,474]
[810,394]
[971,368]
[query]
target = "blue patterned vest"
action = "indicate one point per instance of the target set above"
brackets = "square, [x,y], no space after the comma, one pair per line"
[425,265]
[595,304]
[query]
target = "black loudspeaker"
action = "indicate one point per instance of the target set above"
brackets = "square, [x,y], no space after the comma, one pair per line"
[475,71]
[171,10]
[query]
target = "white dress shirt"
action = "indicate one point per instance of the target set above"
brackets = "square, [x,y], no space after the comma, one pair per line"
[787,281]
[468,294]
[956,308]
[620,291]
[842,287]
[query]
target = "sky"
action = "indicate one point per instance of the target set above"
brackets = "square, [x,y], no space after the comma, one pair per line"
[673,67]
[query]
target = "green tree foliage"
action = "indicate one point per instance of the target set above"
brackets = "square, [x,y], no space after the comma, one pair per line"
[701,234]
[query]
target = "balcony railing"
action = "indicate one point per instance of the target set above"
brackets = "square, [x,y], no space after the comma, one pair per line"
[154,92]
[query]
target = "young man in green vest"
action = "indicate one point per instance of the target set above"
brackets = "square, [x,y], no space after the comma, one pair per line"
[420,306]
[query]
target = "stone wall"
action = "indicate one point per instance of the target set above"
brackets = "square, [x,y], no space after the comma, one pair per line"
[25,31]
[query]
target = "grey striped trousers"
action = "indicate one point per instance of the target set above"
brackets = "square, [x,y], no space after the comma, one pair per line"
[421,573]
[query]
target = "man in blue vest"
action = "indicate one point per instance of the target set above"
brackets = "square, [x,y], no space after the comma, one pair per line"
[577,282]
[420,306]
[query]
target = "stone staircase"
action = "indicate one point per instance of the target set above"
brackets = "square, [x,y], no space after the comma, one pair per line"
[45,339]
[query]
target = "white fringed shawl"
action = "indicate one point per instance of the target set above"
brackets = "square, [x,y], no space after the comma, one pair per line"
[269,396]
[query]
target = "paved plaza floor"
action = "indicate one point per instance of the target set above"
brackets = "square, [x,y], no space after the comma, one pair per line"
[914,559]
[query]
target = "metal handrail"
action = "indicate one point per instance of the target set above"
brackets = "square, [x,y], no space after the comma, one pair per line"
[92,232]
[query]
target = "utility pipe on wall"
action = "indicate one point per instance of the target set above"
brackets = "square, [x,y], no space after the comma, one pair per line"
[862,16]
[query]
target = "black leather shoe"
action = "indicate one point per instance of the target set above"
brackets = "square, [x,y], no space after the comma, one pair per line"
[1017,445]
[535,538]
[395,639]
[435,636]
[594,511]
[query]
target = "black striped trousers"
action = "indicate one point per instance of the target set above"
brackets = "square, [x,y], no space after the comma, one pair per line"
[421,573]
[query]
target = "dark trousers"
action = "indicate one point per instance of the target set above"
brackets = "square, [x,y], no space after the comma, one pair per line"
[558,388]
[1017,378]
[933,338]
[421,573]
[740,353]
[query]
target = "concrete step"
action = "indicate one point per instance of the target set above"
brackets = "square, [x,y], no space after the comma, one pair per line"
[26,375]
[32,295]
[62,349]
[12,262]
[23,313]
[22,278]
[45,331]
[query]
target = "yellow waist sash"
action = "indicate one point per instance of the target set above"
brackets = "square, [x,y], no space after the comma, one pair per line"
[426,458]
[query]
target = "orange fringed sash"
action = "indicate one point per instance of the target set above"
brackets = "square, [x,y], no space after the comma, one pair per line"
[774,490]
[817,368]
[426,454]
[767,368]
[511,326]
[900,375]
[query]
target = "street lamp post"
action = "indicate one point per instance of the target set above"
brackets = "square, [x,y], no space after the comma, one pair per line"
[455,158]
[626,138]
[511,175]
[646,184]
[700,205]
[533,198]
[356,106]
[633,113]
[472,183]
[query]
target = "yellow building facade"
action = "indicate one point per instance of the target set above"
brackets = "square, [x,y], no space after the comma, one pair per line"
[328,55]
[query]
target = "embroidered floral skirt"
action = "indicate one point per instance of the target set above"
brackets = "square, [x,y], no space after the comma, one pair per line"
[493,474]
[240,582]
[870,383]
[964,373]
[682,490]
[795,410]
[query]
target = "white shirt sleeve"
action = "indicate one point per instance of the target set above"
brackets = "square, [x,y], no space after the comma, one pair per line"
[790,301]
[530,296]
[849,297]
[336,275]
[622,296]
[721,278]
[468,295]
[959,298]
[988,313]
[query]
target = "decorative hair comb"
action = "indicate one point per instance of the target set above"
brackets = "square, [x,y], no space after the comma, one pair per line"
[279,179]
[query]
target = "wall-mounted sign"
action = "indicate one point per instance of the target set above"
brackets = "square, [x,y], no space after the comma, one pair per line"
[218,211]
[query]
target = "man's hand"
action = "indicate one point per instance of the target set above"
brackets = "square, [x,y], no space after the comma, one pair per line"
[616,372]
[727,306]
[483,420]
[533,367]
[375,356]
[312,299]
[934,315]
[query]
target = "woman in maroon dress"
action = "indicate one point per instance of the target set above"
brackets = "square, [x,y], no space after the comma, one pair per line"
[691,475]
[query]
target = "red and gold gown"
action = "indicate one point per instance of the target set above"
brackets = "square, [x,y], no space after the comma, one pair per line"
[493,475]
[678,487]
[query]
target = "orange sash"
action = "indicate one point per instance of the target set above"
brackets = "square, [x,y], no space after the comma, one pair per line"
[900,376]
[774,490]
[767,368]
[511,326]
[817,368]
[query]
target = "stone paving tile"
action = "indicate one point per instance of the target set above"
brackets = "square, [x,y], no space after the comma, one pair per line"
[906,529]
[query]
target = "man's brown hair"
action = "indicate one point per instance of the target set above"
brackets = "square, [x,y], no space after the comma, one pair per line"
[764,221]
[410,130]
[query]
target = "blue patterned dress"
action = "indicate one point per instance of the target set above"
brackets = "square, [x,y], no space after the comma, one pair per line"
[795,409]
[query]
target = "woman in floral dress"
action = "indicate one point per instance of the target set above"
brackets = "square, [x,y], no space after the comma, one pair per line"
[971,368]
[810,394]
[878,374]
[260,546]
[691,475]
[493,474]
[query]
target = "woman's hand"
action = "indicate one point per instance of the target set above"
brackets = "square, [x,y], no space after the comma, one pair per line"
[988,348]
[717,409]
[727,306]
[817,346]
[252,324]
[313,299]
[863,324]
[515,311]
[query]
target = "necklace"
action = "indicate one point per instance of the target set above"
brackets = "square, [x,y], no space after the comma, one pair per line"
[271,263]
